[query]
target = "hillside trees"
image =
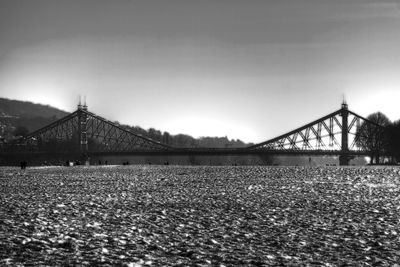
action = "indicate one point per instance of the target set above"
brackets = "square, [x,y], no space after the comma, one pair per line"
[21,131]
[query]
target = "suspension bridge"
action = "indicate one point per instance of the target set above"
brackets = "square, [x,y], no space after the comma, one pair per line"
[86,134]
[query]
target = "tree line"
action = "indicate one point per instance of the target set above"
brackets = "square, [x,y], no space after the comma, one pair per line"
[380,137]
[187,141]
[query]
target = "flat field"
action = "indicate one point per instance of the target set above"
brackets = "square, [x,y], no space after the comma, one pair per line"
[220,216]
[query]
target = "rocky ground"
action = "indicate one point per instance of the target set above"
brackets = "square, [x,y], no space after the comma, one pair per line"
[220,216]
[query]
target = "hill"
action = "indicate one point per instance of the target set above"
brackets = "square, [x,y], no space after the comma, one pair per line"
[23,109]
[15,114]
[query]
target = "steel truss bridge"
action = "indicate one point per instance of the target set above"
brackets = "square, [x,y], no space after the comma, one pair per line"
[87,134]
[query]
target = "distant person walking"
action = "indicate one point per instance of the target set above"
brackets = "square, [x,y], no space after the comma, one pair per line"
[23,165]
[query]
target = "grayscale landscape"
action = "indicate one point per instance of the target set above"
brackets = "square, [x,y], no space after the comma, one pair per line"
[200,133]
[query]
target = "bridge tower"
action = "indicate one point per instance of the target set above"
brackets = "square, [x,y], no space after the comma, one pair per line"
[344,158]
[82,128]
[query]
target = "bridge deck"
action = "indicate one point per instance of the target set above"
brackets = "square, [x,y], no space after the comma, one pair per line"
[202,152]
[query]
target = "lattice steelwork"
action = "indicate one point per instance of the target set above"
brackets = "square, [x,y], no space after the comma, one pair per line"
[86,133]
[60,136]
[105,136]
[337,131]
[83,131]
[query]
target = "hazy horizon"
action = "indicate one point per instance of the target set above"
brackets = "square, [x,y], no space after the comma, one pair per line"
[248,70]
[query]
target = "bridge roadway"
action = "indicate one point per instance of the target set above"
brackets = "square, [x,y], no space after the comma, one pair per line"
[199,152]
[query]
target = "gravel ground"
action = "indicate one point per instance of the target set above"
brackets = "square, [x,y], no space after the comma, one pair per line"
[201,216]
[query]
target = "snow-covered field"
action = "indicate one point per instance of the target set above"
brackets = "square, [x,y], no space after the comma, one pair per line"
[220,216]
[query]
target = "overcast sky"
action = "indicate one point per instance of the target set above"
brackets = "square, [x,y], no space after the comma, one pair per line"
[244,69]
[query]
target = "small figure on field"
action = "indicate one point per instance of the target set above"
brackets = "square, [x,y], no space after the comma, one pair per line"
[23,165]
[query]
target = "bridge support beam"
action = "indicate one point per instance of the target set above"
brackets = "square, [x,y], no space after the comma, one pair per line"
[344,159]
[82,124]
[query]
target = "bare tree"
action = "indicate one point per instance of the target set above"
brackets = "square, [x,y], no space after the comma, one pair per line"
[371,135]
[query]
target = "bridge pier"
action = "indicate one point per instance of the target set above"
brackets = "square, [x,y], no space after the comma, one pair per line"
[344,159]
[83,142]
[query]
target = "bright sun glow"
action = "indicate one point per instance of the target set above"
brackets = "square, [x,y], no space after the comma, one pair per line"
[39,83]
[386,102]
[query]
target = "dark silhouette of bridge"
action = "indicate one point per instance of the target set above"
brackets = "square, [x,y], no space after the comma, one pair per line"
[87,134]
